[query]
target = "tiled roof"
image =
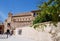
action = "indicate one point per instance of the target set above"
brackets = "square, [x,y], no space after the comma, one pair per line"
[23,14]
[36,11]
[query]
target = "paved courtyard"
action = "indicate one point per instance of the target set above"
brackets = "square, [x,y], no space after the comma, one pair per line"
[16,38]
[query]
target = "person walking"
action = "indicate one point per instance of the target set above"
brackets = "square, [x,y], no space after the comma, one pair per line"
[8,32]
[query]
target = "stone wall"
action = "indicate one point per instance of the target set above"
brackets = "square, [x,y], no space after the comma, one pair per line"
[18,20]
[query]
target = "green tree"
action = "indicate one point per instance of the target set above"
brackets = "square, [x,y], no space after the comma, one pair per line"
[50,11]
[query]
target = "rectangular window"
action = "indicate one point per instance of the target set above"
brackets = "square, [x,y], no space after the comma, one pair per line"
[20,32]
[34,14]
[8,24]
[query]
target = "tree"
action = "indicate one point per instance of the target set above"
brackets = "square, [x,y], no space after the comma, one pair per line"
[50,11]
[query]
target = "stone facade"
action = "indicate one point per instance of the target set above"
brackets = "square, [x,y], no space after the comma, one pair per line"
[24,19]
[19,20]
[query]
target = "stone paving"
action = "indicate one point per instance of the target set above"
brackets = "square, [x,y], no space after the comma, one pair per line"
[4,36]
[16,38]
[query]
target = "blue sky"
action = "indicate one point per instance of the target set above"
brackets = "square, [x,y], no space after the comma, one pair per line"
[17,6]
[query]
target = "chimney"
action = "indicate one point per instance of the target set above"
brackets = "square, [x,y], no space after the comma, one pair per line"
[10,14]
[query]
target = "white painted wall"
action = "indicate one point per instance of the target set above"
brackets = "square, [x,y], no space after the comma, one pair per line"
[31,33]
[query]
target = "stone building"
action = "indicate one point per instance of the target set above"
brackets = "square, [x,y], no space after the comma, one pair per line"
[20,20]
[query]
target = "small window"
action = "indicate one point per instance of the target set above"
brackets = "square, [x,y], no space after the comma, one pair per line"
[8,24]
[29,18]
[26,18]
[23,19]
[20,31]
[34,14]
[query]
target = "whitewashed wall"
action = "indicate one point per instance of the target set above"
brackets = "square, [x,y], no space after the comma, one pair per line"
[30,32]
